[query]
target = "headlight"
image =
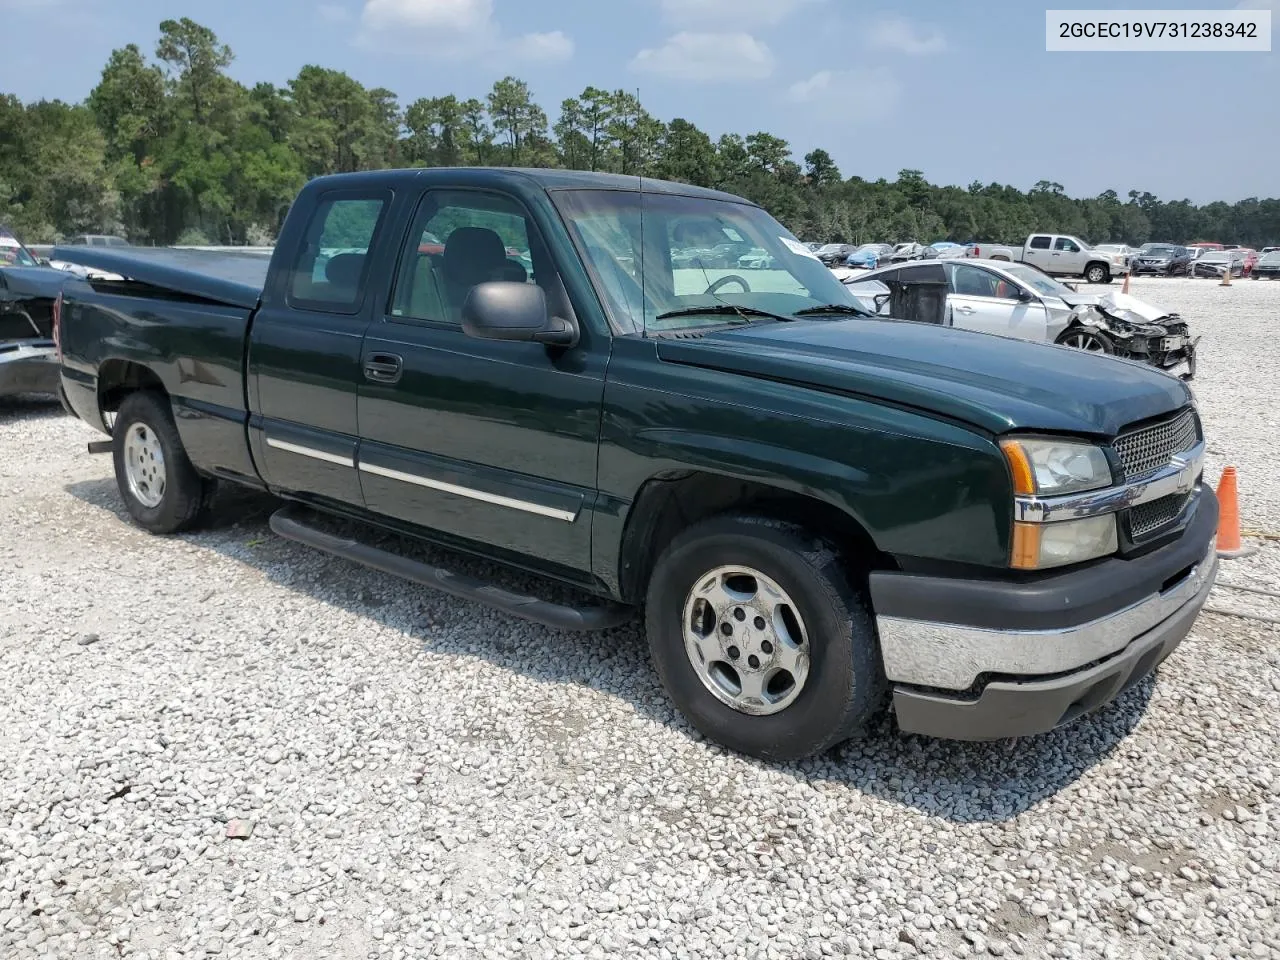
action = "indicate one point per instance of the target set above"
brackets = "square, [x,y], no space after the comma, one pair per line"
[1047,468]
[1038,546]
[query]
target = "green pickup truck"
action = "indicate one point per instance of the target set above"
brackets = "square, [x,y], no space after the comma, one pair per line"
[819,513]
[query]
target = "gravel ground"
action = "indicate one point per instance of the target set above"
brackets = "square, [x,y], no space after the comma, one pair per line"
[227,745]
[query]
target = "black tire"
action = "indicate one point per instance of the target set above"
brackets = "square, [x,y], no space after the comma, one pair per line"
[1097,273]
[187,495]
[1078,339]
[845,686]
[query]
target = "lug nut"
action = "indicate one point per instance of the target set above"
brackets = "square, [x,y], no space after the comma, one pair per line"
[734,653]
[759,623]
[726,628]
[766,647]
[739,614]
[753,662]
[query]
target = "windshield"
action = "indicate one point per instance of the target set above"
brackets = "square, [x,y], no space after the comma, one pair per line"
[1041,283]
[1110,247]
[654,254]
[14,254]
[1162,249]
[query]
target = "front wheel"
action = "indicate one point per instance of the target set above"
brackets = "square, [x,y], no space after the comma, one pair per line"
[1097,273]
[1090,341]
[760,638]
[162,491]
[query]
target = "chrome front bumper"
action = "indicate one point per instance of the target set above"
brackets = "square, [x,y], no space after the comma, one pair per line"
[952,657]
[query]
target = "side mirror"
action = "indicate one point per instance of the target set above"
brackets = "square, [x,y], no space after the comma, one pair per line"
[1024,295]
[506,310]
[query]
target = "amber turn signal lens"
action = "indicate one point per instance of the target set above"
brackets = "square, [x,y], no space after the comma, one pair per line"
[1026,546]
[1024,482]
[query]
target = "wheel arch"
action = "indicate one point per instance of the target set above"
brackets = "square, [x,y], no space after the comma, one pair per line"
[670,502]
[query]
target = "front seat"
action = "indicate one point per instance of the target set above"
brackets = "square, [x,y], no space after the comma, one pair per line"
[472,255]
[343,274]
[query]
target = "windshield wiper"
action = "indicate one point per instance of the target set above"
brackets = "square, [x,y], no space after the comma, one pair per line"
[833,308]
[722,309]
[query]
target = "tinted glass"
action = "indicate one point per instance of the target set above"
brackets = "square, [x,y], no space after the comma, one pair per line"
[459,239]
[332,268]
[1040,243]
[927,272]
[969,281]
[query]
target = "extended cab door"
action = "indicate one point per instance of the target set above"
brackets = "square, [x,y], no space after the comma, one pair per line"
[492,442]
[1038,251]
[304,349]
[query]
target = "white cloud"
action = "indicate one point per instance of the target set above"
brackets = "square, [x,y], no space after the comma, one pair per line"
[736,12]
[542,47]
[463,16]
[864,93]
[454,30]
[332,13]
[902,36]
[707,56]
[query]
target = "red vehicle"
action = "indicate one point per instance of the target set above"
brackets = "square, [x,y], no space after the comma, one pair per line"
[1250,258]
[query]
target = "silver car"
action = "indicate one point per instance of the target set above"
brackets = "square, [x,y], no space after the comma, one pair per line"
[1011,299]
[1017,300]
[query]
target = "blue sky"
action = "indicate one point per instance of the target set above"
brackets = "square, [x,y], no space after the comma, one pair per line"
[960,90]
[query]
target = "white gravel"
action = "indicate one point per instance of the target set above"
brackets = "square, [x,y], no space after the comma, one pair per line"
[225,745]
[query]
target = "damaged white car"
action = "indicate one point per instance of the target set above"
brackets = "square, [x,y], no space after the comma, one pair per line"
[1018,300]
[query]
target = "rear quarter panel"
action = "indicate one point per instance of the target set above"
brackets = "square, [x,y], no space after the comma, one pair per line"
[195,349]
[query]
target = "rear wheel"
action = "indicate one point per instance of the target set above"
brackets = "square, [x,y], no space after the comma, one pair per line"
[760,638]
[1090,341]
[162,491]
[1097,273]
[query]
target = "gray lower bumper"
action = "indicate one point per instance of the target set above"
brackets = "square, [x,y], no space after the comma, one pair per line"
[1018,706]
[28,368]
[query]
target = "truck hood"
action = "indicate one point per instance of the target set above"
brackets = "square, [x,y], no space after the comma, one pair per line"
[994,383]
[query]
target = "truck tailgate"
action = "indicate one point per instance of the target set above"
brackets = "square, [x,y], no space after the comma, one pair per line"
[236,279]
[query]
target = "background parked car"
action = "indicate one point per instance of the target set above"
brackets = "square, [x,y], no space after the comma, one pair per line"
[1268,265]
[1161,259]
[1121,249]
[869,255]
[1216,263]
[96,240]
[1056,253]
[835,253]
[1018,300]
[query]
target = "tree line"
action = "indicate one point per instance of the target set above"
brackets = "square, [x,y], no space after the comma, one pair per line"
[173,150]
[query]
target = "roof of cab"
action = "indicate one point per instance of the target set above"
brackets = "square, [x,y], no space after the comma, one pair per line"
[550,180]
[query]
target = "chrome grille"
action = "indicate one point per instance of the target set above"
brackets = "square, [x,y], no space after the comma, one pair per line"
[1144,451]
[1149,517]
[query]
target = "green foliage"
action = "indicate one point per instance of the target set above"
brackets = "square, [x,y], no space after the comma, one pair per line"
[175,148]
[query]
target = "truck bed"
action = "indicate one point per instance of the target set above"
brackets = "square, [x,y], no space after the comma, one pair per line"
[236,279]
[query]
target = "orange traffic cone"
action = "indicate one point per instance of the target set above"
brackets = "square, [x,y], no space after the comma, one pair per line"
[1125,288]
[1226,277]
[1230,546]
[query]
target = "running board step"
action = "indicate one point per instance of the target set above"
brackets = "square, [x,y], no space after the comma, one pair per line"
[286,522]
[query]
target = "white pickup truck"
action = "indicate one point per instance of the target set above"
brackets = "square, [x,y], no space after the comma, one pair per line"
[1057,254]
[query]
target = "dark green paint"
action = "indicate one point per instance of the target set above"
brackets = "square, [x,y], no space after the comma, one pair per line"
[892,423]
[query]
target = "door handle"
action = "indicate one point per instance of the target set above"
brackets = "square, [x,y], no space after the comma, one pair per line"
[964,309]
[383,367]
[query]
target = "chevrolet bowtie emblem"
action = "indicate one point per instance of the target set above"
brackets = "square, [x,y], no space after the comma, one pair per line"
[1186,473]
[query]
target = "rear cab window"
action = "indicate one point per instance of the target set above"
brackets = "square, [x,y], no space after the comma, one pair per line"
[1039,243]
[331,271]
